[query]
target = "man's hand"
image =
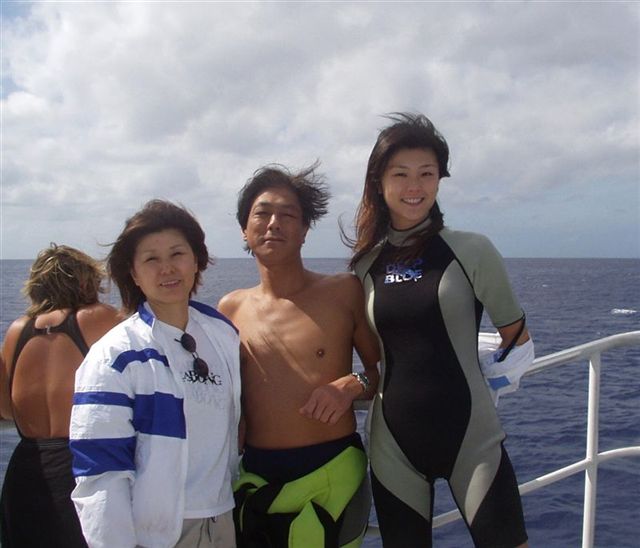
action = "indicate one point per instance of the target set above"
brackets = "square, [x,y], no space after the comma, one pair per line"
[329,402]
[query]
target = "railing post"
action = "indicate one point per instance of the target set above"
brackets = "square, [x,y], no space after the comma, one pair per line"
[591,471]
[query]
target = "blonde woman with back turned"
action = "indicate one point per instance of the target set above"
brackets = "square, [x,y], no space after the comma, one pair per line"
[40,355]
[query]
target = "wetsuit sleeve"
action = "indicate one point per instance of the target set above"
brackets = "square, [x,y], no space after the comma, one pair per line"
[492,286]
[485,269]
[102,440]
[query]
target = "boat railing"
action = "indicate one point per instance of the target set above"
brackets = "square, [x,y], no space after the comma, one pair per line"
[590,352]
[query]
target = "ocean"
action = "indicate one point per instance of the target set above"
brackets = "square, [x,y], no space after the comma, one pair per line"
[568,302]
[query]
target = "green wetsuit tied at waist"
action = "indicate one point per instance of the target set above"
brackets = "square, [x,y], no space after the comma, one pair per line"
[325,508]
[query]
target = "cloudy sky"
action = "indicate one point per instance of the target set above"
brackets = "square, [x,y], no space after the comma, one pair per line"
[108,104]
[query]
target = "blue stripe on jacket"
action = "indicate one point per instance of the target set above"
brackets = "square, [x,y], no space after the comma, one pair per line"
[129,356]
[102,398]
[159,414]
[93,457]
[156,414]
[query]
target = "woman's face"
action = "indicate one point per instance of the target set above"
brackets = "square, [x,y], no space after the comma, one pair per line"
[410,186]
[164,268]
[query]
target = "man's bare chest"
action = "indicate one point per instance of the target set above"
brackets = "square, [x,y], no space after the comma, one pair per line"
[297,331]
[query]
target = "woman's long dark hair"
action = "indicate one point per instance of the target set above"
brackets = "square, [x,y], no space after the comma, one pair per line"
[372,220]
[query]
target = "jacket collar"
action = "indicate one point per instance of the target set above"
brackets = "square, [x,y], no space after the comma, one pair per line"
[146,314]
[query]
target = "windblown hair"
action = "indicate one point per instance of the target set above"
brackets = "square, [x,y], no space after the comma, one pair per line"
[155,216]
[62,277]
[309,187]
[372,219]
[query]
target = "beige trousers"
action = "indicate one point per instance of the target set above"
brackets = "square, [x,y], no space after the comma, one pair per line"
[218,532]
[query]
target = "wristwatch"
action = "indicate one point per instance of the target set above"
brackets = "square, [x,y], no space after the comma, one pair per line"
[362,379]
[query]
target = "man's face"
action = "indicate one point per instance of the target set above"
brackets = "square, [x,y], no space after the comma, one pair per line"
[275,227]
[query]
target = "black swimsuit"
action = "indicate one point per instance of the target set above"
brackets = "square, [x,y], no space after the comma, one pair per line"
[69,326]
[36,508]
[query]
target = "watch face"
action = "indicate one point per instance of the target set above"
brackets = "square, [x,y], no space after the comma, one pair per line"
[362,379]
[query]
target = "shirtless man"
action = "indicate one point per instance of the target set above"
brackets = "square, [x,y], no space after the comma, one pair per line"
[298,329]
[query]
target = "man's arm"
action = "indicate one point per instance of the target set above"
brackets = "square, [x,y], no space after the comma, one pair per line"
[242,425]
[366,343]
[228,305]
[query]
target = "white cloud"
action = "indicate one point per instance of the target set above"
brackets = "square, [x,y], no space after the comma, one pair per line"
[107,105]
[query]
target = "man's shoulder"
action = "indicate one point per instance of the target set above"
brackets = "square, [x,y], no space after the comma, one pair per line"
[348,281]
[232,300]
[343,287]
[345,279]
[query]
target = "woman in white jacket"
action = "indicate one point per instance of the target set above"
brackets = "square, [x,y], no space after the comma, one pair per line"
[157,399]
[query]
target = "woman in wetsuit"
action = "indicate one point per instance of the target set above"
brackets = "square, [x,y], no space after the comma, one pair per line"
[40,355]
[426,288]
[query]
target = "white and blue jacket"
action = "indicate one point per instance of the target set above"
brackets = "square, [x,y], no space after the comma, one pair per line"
[128,431]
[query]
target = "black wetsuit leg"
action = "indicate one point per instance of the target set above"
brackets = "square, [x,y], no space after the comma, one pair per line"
[400,525]
[499,521]
[36,509]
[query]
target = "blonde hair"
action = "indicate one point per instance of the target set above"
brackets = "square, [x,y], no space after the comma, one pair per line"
[62,277]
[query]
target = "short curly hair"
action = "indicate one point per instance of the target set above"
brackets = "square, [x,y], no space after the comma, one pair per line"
[63,277]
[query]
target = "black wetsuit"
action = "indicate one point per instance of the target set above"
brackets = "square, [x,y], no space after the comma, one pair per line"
[433,416]
[36,509]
